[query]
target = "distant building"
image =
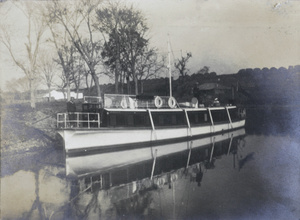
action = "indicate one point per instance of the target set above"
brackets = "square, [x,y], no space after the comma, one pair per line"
[208,92]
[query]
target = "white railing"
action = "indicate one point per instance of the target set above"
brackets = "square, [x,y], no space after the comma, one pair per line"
[78,120]
[132,102]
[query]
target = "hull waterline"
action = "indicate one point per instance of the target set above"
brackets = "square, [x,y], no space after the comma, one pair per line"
[83,140]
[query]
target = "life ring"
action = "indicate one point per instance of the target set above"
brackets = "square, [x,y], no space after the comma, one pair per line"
[123,103]
[172,102]
[158,102]
[174,177]
[160,182]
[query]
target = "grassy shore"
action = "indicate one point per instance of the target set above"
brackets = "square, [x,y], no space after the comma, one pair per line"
[25,129]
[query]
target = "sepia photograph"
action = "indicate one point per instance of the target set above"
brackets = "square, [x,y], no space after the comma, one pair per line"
[150,109]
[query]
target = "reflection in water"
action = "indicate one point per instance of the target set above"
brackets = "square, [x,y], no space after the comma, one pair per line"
[126,181]
[36,194]
[211,178]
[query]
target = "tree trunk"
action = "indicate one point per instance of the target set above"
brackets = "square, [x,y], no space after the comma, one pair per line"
[116,83]
[68,89]
[117,74]
[122,83]
[77,92]
[128,84]
[49,91]
[96,81]
[32,95]
[142,87]
[136,86]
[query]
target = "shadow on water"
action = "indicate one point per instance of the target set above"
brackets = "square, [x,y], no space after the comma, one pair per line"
[273,120]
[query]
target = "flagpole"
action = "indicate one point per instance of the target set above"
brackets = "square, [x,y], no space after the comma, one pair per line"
[170,70]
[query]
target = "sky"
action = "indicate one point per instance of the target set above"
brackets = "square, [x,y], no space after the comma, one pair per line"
[225,35]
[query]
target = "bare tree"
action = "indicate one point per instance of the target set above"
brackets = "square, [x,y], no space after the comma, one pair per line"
[76,19]
[47,70]
[35,30]
[78,69]
[150,64]
[65,52]
[181,64]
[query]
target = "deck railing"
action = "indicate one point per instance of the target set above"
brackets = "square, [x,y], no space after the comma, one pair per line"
[78,120]
[92,99]
[132,102]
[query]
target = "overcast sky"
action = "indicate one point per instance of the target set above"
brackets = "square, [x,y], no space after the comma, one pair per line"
[226,35]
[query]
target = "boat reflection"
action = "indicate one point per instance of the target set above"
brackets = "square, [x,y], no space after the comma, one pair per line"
[151,167]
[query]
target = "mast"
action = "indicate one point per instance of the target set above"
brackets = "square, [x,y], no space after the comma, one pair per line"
[170,70]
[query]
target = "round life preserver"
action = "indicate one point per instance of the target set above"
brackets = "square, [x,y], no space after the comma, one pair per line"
[174,177]
[172,102]
[160,182]
[158,102]
[123,103]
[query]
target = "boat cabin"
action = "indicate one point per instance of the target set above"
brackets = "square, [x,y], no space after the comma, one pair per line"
[127,111]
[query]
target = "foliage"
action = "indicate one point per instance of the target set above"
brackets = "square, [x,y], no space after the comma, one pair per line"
[126,45]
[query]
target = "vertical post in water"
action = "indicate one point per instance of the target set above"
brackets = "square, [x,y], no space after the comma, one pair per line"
[229,148]
[190,143]
[212,149]
[228,114]
[153,165]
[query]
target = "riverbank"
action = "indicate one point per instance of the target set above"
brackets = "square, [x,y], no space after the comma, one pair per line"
[25,130]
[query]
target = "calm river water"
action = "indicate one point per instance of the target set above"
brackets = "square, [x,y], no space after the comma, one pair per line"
[251,173]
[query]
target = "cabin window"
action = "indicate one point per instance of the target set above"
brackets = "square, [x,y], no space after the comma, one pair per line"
[113,120]
[233,113]
[168,118]
[161,120]
[205,117]
[219,115]
[174,119]
[198,117]
[141,119]
[130,121]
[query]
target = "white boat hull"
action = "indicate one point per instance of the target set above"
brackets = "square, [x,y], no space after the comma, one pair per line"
[76,140]
[84,165]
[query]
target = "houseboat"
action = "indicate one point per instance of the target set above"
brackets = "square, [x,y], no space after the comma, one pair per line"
[118,121]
